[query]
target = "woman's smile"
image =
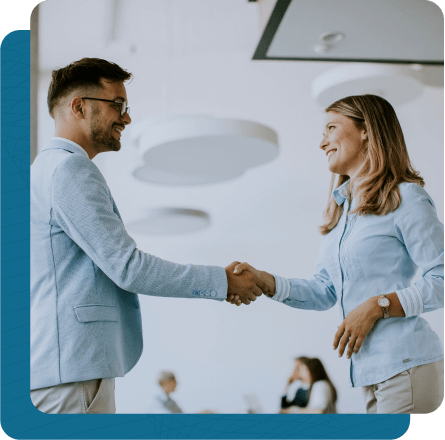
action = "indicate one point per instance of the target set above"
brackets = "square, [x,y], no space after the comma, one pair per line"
[330,153]
[344,140]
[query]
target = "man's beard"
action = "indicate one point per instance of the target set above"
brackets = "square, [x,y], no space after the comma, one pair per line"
[104,140]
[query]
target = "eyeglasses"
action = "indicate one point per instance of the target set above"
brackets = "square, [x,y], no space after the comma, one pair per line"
[125,110]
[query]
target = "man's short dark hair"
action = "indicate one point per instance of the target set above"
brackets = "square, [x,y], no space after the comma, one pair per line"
[86,72]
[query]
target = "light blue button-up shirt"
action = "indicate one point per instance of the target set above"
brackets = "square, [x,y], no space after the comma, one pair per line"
[369,255]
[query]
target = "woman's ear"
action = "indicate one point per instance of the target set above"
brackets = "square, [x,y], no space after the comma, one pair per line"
[364,135]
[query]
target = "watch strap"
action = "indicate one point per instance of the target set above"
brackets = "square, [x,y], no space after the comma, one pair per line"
[385,309]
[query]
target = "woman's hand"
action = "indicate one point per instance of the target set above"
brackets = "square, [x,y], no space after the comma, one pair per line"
[356,326]
[266,277]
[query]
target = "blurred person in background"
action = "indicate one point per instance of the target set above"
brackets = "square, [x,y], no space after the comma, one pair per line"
[380,227]
[164,404]
[321,393]
[296,391]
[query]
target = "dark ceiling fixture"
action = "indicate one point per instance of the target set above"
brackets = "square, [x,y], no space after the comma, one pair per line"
[392,26]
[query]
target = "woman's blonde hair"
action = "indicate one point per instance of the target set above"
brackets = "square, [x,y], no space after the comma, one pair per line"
[386,162]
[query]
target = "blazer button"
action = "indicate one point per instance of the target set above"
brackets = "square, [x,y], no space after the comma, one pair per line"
[201,293]
[213,294]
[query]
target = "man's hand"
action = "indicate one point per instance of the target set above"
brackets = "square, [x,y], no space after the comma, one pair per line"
[266,278]
[243,288]
[356,326]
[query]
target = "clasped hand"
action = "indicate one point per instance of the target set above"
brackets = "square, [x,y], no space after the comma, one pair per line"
[246,283]
[351,332]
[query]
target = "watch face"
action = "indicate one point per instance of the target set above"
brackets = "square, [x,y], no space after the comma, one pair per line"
[383,302]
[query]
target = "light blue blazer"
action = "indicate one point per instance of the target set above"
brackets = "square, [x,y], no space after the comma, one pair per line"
[86,272]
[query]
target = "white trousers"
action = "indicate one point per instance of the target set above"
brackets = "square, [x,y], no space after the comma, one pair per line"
[418,390]
[89,397]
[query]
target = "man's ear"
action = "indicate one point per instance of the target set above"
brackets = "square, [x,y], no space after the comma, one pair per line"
[77,107]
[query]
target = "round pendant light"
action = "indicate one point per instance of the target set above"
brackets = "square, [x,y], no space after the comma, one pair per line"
[170,221]
[187,150]
[389,82]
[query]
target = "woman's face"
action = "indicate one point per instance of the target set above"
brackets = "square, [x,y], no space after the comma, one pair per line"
[296,372]
[343,144]
[305,375]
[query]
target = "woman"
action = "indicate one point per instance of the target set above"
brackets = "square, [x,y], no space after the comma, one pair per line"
[321,395]
[296,392]
[380,226]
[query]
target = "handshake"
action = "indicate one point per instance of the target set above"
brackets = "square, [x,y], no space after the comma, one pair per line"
[245,283]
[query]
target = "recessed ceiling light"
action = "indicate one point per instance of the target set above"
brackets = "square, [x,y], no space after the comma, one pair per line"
[170,221]
[150,174]
[389,82]
[332,37]
[187,150]
[321,48]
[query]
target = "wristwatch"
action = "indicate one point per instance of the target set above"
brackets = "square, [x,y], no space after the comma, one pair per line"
[384,303]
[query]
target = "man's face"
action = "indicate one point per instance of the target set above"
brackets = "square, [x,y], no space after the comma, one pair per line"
[169,385]
[106,122]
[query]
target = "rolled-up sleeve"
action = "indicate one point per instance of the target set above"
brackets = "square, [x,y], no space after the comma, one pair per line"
[82,207]
[419,229]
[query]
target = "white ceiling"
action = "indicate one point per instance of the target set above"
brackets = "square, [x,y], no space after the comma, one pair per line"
[149,28]
[379,29]
[268,216]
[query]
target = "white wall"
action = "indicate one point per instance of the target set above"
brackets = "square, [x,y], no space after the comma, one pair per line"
[267,217]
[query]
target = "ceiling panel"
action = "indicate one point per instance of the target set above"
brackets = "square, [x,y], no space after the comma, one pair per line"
[389,31]
[71,30]
[195,26]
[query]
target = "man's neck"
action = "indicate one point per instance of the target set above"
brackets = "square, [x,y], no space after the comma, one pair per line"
[78,139]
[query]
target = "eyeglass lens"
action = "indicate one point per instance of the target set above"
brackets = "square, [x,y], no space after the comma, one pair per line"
[125,109]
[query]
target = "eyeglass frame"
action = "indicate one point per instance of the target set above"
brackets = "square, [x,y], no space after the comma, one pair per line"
[121,103]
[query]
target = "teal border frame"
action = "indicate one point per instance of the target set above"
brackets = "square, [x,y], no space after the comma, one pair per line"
[19,418]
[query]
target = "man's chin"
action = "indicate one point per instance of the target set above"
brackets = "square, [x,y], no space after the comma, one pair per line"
[113,146]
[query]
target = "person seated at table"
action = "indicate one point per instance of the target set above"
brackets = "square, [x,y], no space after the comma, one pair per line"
[296,390]
[322,394]
[163,403]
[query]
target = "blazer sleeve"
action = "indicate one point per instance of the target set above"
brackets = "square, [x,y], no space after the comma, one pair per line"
[82,206]
[419,229]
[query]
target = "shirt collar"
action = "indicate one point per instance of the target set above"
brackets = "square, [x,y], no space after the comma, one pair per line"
[68,145]
[341,193]
[163,397]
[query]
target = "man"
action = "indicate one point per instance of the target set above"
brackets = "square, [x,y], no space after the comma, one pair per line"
[164,404]
[86,271]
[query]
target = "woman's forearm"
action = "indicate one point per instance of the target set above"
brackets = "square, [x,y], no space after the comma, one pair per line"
[395,309]
[359,322]
[269,279]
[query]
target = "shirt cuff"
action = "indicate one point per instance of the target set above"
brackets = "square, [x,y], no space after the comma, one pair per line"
[282,288]
[411,301]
